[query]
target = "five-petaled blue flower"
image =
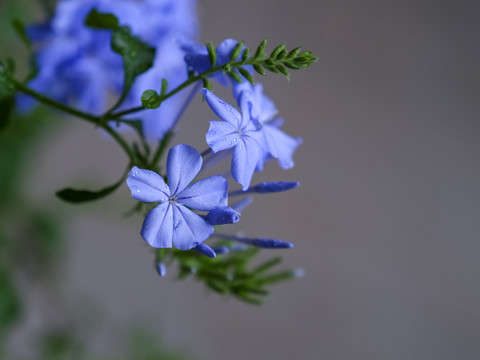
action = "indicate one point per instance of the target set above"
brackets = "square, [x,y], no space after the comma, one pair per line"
[172,221]
[238,131]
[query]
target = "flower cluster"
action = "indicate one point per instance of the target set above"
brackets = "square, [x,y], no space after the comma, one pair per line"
[81,54]
[252,136]
[77,67]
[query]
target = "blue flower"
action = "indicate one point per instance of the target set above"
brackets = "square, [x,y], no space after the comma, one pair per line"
[172,221]
[238,131]
[77,66]
[197,58]
[277,144]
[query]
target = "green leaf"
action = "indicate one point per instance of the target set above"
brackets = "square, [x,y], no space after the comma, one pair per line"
[235,77]
[137,57]
[164,88]
[246,54]
[7,86]
[294,52]
[151,99]
[19,28]
[246,75]
[80,196]
[259,70]
[7,105]
[236,51]
[212,54]
[278,52]
[98,20]
[260,50]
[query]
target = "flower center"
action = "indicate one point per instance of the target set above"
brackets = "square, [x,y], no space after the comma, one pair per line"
[172,199]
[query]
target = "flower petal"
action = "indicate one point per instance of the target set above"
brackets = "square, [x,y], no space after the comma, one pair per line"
[281,145]
[206,194]
[245,157]
[222,109]
[183,164]
[157,229]
[189,229]
[147,185]
[221,136]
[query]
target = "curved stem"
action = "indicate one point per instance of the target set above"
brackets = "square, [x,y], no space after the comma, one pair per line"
[187,83]
[48,101]
[80,114]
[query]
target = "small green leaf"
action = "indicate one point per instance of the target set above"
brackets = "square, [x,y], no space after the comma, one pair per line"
[293,53]
[246,54]
[164,88]
[235,77]
[246,75]
[260,50]
[259,69]
[284,71]
[137,57]
[98,20]
[236,51]
[19,28]
[151,99]
[278,52]
[212,54]
[80,196]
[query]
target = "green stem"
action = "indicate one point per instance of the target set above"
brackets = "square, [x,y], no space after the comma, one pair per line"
[80,114]
[46,100]
[187,83]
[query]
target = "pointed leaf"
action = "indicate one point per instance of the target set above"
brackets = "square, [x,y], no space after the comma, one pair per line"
[79,196]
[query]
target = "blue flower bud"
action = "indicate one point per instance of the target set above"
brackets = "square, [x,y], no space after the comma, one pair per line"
[260,242]
[161,269]
[270,243]
[222,216]
[277,186]
[205,250]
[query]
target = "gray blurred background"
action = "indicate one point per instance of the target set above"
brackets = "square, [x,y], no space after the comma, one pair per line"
[385,223]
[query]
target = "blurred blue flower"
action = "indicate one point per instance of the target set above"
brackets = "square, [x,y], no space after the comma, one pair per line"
[238,131]
[172,221]
[77,66]
[197,58]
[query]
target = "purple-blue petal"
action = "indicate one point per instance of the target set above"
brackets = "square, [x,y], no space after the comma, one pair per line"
[245,157]
[221,136]
[147,185]
[281,145]
[157,229]
[183,164]
[222,109]
[205,194]
[189,229]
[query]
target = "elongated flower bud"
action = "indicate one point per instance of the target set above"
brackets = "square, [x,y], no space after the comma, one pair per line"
[222,216]
[205,250]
